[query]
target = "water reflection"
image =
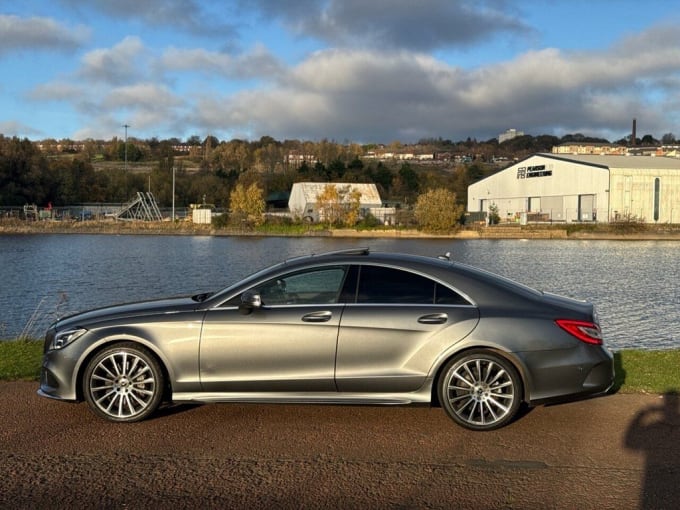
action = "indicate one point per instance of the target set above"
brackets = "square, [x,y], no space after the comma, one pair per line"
[632,283]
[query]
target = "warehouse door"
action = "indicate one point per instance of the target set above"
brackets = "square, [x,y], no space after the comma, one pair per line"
[554,206]
[586,208]
[534,204]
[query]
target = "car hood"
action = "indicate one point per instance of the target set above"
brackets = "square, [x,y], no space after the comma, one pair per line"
[129,310]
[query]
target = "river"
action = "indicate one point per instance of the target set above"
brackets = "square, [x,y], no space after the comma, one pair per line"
[634,284]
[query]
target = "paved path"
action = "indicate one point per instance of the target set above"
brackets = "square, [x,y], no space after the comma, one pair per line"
[614,452]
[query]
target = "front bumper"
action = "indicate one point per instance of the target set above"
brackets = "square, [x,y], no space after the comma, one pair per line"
[57,376]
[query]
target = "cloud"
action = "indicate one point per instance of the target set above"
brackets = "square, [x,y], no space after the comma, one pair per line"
[55,91]
[192,16]
[342,95]
[259,62]
[145,107]
[373,95]
[146,96]
[398,24]
[380,90]
[38,33]
[116,65]
[15,128]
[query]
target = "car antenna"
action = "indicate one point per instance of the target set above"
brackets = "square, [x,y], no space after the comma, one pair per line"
[446,256]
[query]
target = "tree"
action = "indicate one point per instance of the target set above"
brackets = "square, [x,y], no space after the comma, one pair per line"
[353,207]
[409,178]
[328,202]
[247,203]
[437,211]
[339,205]
[668,139]
[649,140]
[494,217]
[382,176]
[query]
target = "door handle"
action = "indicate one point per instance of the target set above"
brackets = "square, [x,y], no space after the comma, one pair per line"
[317,317]
[433,318]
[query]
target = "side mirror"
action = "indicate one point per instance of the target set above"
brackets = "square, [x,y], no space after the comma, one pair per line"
[250,300]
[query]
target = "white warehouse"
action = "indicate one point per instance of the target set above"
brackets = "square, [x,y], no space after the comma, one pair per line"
[303,198]
[552,187]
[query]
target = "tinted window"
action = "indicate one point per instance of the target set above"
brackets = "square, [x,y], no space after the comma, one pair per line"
[388,285]
[446,296]
[320,286]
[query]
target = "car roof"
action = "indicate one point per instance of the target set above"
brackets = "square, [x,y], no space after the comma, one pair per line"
[441,267]
[474,282]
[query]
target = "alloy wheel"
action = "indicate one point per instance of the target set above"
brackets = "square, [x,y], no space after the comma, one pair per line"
[480,391]
[123,384]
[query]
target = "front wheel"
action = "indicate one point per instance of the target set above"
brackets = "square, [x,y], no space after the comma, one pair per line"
[123,383]
[480,390]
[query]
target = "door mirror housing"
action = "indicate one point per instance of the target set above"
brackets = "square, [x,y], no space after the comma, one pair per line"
[250,300]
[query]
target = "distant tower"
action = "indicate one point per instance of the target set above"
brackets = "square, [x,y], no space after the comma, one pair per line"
[634,135]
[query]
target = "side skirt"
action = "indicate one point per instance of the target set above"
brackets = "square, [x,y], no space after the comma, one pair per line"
[420,397]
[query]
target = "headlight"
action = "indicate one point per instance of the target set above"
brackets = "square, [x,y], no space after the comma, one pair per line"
[63,338]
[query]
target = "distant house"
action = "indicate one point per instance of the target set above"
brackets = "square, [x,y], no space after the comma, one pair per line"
[303,198]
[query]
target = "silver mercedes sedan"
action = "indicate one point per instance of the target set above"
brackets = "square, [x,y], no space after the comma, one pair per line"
[347,327]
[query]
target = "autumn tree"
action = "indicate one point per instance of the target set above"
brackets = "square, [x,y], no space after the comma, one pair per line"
[437,211]
[352,207]
[247,203]
[329,204]
[339,205]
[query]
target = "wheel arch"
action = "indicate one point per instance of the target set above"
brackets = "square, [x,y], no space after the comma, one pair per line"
[513,360]
[110,342]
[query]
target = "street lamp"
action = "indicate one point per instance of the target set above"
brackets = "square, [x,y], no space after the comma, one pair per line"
[173,194]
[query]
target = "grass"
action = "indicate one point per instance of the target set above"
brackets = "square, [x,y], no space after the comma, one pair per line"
[637,371]
[640,371]
[20,360]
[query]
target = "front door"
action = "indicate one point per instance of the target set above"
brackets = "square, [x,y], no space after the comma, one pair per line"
[286,345]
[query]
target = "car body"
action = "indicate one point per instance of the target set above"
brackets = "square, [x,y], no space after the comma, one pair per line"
[352,327]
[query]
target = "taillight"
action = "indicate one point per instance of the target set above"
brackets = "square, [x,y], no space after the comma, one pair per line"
[588,332]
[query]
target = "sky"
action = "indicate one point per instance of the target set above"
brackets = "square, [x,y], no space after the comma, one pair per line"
[363,71]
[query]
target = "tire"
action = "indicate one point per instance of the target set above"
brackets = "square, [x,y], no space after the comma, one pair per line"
[480,390]
[123,383]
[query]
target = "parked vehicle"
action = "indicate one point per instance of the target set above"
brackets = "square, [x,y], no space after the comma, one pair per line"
[347,327]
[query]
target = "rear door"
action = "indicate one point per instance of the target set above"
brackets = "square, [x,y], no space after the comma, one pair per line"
[397,327]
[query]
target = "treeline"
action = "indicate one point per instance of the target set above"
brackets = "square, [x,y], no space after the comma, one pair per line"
[68,173]
[29,175]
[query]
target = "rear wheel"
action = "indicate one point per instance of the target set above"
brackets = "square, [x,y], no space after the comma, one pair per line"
[480,390]
[123,383]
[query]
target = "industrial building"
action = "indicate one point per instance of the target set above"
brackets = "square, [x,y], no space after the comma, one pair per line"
[569,188]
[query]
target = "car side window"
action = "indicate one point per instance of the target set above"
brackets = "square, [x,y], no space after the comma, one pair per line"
[318,286]
[388,285]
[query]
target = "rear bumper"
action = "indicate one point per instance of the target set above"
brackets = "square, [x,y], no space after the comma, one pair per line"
[568,374]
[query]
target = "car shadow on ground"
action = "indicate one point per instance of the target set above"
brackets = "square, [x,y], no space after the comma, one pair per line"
[173,409]
[654,432]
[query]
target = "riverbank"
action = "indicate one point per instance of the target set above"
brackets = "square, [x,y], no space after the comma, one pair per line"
[505,231]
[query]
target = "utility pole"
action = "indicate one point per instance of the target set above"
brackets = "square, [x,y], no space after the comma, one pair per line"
[126,126]
[173,194]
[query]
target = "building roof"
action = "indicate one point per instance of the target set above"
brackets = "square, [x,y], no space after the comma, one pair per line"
[611,161]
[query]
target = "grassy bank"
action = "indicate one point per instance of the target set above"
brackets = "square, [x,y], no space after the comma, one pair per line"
[591,231]
[636,371]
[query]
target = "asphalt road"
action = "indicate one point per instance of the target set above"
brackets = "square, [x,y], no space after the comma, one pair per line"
[618,452]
